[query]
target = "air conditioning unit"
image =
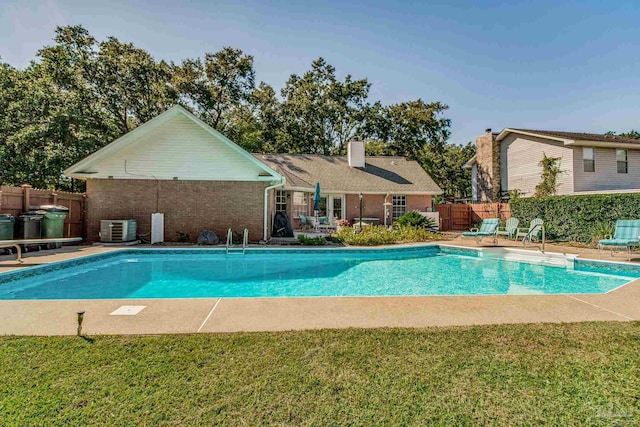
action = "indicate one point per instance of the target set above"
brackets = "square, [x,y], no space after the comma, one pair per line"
[119,230]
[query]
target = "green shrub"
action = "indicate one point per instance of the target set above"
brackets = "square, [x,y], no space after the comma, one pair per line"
[411,218]
[381,235]
[415,219]
[601,231]
[575,217]
[311,241]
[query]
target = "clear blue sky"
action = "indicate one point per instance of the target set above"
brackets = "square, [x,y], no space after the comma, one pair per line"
[543,65]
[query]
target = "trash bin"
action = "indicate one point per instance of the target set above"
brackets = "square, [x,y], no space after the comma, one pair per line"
[29,226]
[53,217]
[7,223]
[52,220]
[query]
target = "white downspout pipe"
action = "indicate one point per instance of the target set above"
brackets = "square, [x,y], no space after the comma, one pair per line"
[266,208]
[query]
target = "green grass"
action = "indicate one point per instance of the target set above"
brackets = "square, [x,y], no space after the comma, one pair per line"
[569,374]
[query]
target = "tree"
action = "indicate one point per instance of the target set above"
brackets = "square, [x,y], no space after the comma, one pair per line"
[445,167]
[131,87]
[410,128]
[216,86]
[257,123]
[320,114]
[548,185]
[631,134]
[79,94]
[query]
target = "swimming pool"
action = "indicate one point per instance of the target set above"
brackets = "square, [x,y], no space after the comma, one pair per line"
[424,270]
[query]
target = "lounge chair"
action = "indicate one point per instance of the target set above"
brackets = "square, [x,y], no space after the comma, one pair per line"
[510,229]
[532,232]
[626,234]
[488,228]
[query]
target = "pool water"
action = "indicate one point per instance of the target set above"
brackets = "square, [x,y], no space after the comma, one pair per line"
[198,274]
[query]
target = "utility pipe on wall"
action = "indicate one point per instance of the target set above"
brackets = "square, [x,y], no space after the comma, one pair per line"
[266,208]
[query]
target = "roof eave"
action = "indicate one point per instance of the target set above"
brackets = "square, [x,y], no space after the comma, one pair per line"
[506,131]
[612,144]
[137,133]
[472,161]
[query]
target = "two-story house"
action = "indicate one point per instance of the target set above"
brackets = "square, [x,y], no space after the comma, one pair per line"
[590,163]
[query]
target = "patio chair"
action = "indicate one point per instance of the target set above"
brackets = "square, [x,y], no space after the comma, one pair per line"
[305,221]
[327,224]
[510,229]
[488,228]
[532,232]
[626,235]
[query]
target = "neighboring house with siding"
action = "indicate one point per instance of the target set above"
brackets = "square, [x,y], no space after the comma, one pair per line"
[591,163]
[178,165]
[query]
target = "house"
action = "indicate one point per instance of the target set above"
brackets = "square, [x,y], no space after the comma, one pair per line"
[590,163]
[400,183]
[177,165]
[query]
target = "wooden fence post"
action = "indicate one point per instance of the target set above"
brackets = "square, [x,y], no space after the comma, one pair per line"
[54,196]
[26,197]
[83,217]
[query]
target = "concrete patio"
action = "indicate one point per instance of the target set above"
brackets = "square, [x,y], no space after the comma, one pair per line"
[58,317]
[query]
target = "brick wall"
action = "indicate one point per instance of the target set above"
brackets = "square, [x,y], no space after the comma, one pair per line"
[488,158]
[373,205]
[189,206]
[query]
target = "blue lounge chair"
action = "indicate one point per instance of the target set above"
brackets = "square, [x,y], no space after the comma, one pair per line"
[488,228]
[626,235]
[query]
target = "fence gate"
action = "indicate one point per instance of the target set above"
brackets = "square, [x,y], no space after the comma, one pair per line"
[453,216]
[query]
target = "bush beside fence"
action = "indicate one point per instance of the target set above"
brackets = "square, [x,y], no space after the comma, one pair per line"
[576,218]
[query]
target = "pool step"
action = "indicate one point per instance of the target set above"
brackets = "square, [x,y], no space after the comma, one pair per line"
[532,257]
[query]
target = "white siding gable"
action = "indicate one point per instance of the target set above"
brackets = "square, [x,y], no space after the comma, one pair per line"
[180,148]
[520,156]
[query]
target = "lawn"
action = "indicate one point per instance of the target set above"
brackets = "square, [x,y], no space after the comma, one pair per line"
[569,374]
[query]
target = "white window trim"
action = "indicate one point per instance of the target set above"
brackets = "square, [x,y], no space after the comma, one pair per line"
[395,199]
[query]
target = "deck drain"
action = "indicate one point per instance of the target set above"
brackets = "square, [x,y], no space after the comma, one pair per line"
[128,310]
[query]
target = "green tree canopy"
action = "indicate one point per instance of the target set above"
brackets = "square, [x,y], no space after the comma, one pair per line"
[79,94]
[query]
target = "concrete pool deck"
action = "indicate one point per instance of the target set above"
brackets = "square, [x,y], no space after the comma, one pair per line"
[58,317]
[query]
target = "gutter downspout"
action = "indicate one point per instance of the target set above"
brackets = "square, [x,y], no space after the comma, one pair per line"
[266,207]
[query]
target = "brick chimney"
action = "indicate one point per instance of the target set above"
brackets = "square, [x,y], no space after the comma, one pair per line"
[488,163]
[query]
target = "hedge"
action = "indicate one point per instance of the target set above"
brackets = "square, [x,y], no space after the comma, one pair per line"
[576,218]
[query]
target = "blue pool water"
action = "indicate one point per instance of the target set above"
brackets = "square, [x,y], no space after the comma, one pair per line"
[197,274]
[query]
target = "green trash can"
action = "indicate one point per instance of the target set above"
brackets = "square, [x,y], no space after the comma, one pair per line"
[52,220]
[7,223]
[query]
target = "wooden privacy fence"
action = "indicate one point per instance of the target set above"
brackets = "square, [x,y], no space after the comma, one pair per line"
[15,200]
[459,216]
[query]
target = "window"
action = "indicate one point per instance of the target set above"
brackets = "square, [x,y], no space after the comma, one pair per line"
[399,206]
[299,204]
[589,160]
[281,201]
[621,158]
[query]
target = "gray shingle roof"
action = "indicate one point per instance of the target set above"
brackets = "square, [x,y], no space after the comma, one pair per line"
[583,136]
[380,174]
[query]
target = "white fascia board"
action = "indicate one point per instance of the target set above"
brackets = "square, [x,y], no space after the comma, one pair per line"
[122,142]
[602,144]
[137,133]
[472,161]
[231,144]
[506,131]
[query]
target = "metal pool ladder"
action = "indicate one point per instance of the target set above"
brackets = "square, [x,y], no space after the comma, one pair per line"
[528,236]
[231,249]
